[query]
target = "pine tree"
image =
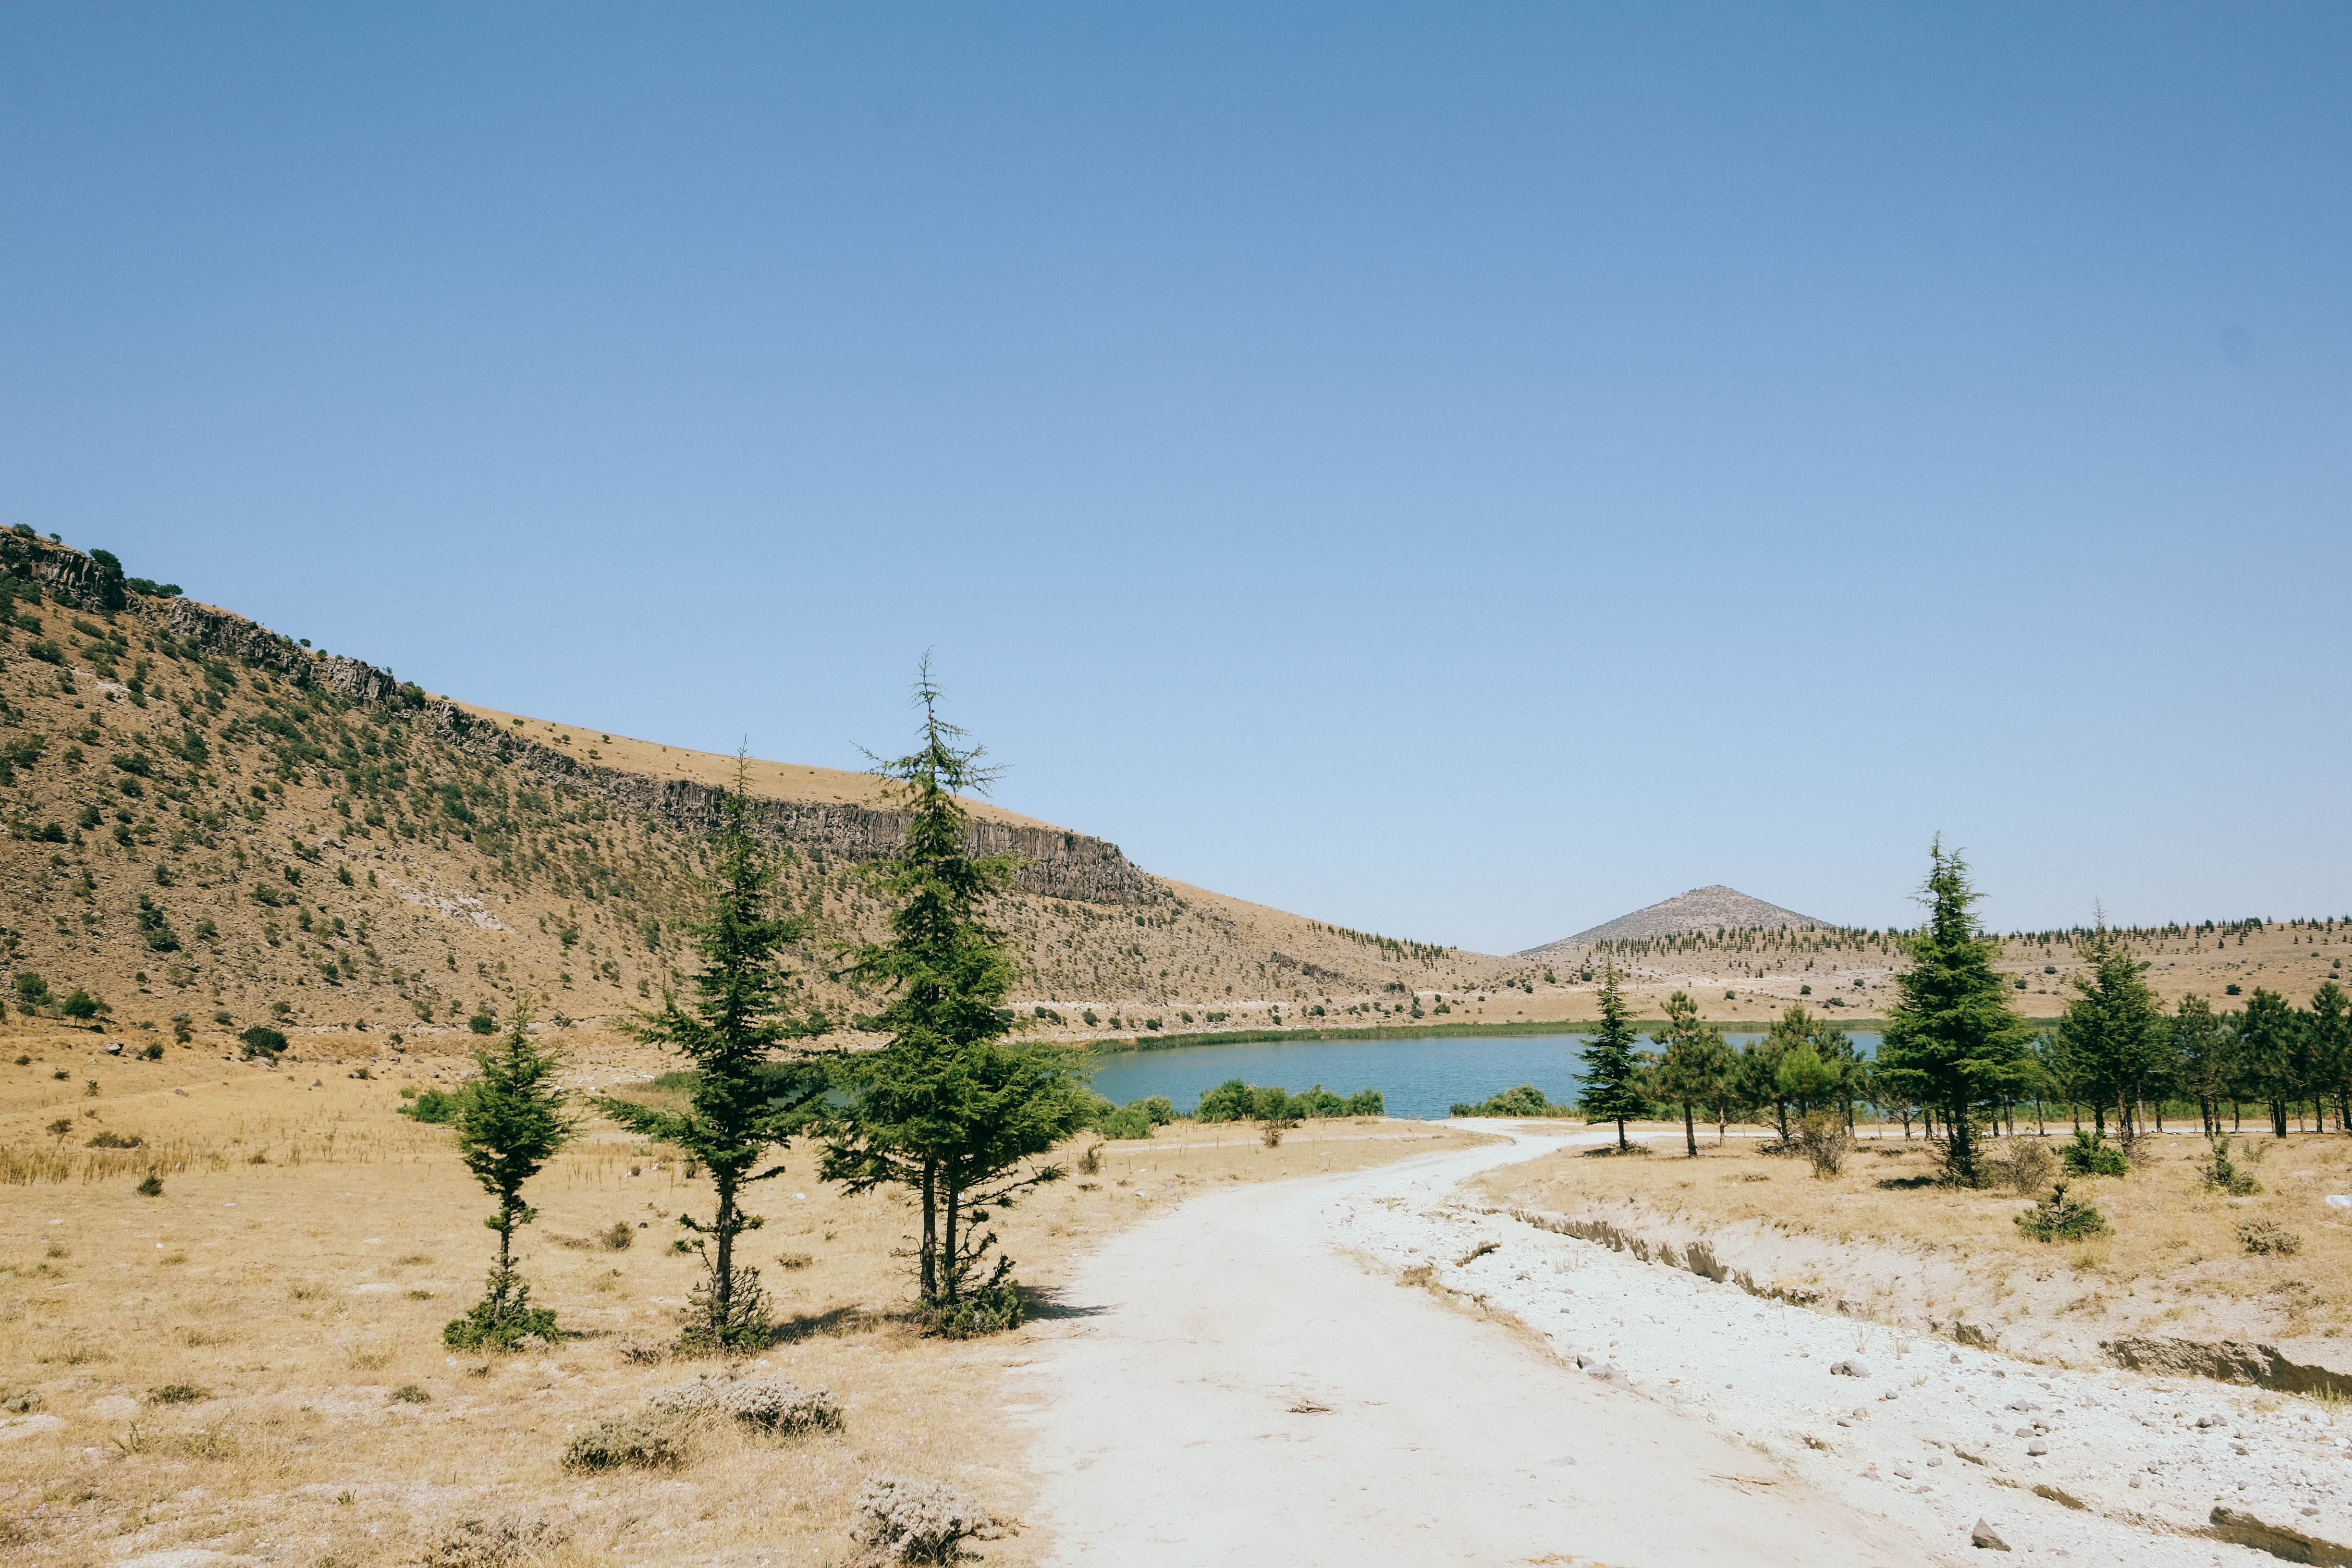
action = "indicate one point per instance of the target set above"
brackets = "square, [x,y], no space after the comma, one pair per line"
[1951,1042]
[2269,1053]
[2205,1048]
[741,1101]
[2113,1029]
[511,1120]
[2327,1031]
[1612,1070]
[1696,1064]
[950,1109]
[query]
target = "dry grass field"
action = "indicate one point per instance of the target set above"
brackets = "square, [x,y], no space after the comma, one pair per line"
[1923,1259]
[250,1363]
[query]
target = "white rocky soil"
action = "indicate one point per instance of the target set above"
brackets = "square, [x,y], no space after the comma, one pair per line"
[1242,1380]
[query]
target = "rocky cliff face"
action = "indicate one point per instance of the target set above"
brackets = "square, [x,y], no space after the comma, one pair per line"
[66,576]
[1056,864]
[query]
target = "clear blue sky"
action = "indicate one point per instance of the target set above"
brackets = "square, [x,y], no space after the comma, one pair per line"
[1462,471]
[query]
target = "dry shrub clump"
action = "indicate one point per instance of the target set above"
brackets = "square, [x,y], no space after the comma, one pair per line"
[769,1404]
[625,1442]
[492,1542]
[901,1520]
[2028,1167]
[1825,1141]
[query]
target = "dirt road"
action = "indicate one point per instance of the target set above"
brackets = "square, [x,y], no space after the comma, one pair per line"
[1241,1387]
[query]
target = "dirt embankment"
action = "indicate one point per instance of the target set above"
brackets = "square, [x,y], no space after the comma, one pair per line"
[2175,1285]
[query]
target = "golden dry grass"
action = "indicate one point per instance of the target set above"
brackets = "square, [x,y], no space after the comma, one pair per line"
[2174,1263]
[294,1301]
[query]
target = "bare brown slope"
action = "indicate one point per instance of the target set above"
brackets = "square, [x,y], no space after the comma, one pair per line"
[208,821]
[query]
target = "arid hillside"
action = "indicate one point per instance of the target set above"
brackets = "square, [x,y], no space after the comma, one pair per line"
[210,826]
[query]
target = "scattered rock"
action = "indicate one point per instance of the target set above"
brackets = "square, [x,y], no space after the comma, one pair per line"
[1850,1369]
[28,1426]
[1601,1370]
[2204,1421]
[2239,1448]
[2037,1448]
[1983,1536]
[2022,1405]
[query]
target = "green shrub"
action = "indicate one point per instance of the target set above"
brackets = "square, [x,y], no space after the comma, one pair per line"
[1127,1122]
[2263,1237]
[152,1187]
[261,1040]
[82,1005]
[1235,1100]
[1527,1101]
[2092,1155]
[2221,1174]
[503,1319]
[438,1105]
[1229,1101]
[989,1309]
[153,1051]
[482,1023]
[175,1394]
[2060,1218]
[619,1239]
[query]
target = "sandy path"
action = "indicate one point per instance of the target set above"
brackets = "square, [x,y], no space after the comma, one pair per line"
[1244,1389]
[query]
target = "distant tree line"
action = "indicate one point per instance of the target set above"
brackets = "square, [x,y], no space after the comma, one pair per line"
[1959,1064]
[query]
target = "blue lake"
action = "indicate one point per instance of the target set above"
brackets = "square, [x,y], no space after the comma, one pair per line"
[1422,1078]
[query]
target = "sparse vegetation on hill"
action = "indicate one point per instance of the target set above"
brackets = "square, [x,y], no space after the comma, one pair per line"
[204,817]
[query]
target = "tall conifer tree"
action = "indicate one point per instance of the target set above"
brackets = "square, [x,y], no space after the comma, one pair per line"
[1951,1041]
[512,1117]
[740,1101]
[2113,1029]
[1697,1063]
[951,1108]
[2270,1052]
[1612,1070]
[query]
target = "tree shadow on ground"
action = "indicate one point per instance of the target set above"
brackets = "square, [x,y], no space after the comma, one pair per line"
[839,1324]
[1047,1306]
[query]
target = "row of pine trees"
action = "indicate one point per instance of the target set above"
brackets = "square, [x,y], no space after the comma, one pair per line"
[953,1108]
[1957,1057]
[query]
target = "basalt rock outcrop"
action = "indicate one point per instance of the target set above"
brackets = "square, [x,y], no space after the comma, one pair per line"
[1054,863]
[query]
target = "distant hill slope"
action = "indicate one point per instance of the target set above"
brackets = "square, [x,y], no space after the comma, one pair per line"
[206,820]
[1701,911]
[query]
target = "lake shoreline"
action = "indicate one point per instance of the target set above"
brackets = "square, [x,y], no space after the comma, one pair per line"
[1122,1046]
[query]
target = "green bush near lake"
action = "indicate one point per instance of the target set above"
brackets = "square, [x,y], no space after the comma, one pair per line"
[1527,1101]
[1134,1120]
[1235,1100]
